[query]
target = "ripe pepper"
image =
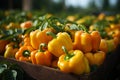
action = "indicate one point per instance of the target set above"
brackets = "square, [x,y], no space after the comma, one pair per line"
[111,44]
[108,45]
[3,43]
[96,58]
[26,24]
[77,38]
[61,39]
[86,42]
[103,46]
[54,64]
[23,54]
[73,61]
[37,37]
[96,38]
[26,40]
[41,57]
[11,49]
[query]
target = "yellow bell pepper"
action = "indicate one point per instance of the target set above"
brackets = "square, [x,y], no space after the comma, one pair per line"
[73,61]
[96,58]
[111,45]
[61,39]
[11,49]
[37,37]
[108,45]
[101,16]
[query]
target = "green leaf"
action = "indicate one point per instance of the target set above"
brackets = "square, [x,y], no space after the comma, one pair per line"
[11,71]
[19,70]
[2,67]
[29,30]
[100,25]
[7,75]
[82,27]
[43,25]
[10,34]
[74,27]
[14,74]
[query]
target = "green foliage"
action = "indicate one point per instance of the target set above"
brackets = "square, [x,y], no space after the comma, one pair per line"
[11,34]
[10,71]
[101,26]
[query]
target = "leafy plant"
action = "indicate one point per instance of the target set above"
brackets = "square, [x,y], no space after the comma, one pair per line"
[10,71]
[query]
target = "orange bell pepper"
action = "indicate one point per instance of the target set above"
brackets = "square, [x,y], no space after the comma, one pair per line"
[41,57]
[26,24]
[87,42]
[83,41]
[103,45]
[3,43]
[96,38]
[77,38]
[26,40]
[23,54]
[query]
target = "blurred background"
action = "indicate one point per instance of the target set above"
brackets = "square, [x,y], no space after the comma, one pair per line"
[56,6]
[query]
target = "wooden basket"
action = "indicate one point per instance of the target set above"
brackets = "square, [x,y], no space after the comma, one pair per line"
[107,71]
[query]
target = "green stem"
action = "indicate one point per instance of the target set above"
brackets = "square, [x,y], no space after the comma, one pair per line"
[65,50]
[83,28]
[52,34]
[68,56]
[26,53]
[41,47]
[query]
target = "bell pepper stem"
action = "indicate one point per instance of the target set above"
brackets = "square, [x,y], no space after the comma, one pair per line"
[68,56]
[26,53]
[52,34]
[41,47]
[65,50]
[83,28]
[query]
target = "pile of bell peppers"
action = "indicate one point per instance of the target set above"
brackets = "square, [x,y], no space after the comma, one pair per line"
[66,45]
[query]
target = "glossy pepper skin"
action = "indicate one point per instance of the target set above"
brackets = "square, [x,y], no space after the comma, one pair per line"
[37,37]
[108,45]
[26,24]
[23,54]
[96,39]
[87,42]
[3,43]
[26,40]
[83,41]
[103,45]
[96,58]
[61,39]
[11,49]
[77,40]
[41,57]
[73,61]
